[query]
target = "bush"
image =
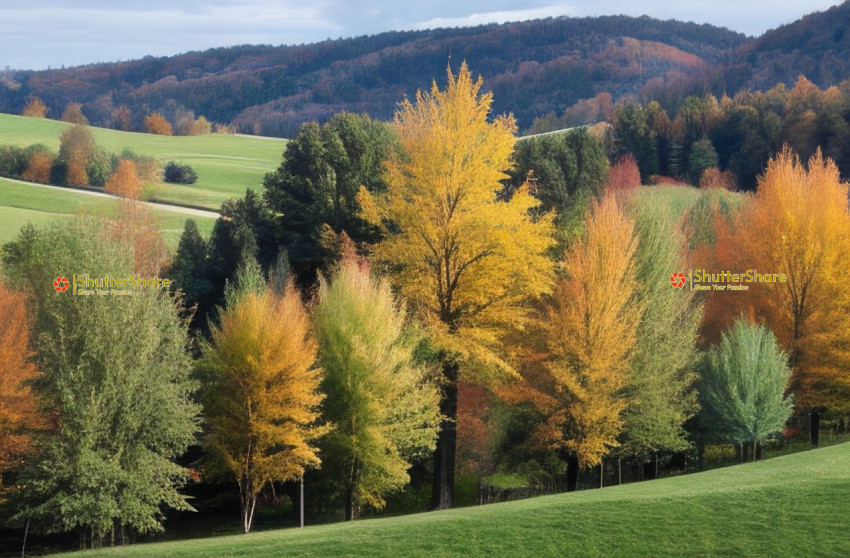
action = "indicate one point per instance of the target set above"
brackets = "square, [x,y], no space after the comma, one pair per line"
[713,177]
[624,175]
[14,160]
[177,173]
[39,167]
[155,123]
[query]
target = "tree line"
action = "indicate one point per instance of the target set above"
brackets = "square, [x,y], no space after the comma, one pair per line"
[421,298]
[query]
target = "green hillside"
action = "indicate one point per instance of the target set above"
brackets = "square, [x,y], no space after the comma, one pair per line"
[787,506]
[22,203]
[226,164]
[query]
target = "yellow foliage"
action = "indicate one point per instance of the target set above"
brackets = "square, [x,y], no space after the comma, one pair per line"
[466,262]
[591,326]
[35,107]
[124,182]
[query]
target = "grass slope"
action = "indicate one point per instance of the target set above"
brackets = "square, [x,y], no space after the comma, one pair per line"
[21,204]
[227,165]
[787,506]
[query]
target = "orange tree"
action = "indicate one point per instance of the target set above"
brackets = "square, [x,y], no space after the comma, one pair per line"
[467,263]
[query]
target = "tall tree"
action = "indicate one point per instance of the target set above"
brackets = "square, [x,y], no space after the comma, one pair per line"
[467,262]
[261,395]
[798,225]
[743,384]
[124,182]
[383,405]
[116,377]
[660,394]
[20,412]
[592,325]
[35,107]
[74,114]
[314,191]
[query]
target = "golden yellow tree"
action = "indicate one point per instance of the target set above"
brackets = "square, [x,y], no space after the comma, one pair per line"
[155,123]
[262,397]
[592,326]
[38,169]
[124,182]
[74,114]
[798,224]
[35,107]
[467,263]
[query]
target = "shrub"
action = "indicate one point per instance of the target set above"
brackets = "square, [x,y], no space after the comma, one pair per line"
[35,107]
[14,160]
[155,123]
[624,175]
[177,173]
[39,167]
[713,177]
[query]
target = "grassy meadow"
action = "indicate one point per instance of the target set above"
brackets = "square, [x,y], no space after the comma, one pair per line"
[21,204]
[227,165]
[773,508]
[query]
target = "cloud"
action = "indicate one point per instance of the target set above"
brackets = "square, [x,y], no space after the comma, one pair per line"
[495,17]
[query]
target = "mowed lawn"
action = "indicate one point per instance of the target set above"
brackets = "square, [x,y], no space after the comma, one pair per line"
[21,204]
[795,505]
[227,165]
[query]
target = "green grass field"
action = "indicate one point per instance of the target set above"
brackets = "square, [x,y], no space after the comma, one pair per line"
[227,165]
[21,204]
[793,506]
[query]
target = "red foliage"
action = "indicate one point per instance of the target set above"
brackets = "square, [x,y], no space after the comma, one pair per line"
[624,175]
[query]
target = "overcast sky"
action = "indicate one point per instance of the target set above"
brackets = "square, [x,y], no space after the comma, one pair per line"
[52,34]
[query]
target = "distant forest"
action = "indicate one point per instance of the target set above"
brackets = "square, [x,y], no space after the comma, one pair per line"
[536,70]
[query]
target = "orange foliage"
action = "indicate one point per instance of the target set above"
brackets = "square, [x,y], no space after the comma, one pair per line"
[624,175]
[797,224]
[591,332]
[124,182]
[156,123]
[38,169]
[473,431]
[75,174]
[74,114]
[19,410]
[35,107]
[135,227]
[715,178]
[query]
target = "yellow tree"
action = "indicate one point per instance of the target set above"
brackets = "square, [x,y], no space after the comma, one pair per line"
[467,263]
[155,123]
[263,390]
[591,328]
[35,107]
[798,224]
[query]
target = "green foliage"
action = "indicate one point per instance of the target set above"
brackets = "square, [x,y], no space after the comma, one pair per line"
[702,156]
[567,171]
[116,378]
[634,135]
[660,395]
[14,160]
[383,405]
[313,193]
[189,269]
[743,383]
[177,173]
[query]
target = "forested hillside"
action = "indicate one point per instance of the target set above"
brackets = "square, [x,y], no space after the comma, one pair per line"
[533,68]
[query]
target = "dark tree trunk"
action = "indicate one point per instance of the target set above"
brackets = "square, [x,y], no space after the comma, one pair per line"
[602,474]
[444,457]
[738,453]
[758,451]
[572,472]
[815,428]
[700,455]
[655,465]
[349,492]
[745,452]
[619,470]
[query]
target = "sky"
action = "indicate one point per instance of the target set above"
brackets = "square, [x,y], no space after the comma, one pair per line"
[52,34]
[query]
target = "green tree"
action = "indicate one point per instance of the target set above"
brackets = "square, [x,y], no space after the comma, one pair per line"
[190,269]
[742,385]
[660,394]
[701,157]
[313,193]
[383,405]
[116,377]
[633,135]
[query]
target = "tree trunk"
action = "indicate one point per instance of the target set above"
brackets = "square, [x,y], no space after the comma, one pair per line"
[301,504]
[601,473]
[757,452]
[745,452]
[572,472]
[249,503]
[619,470]
[738,453]
[700,455]
[444,457]
[655,465]
[815,428]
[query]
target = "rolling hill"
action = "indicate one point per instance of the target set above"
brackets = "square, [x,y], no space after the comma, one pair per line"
[773,508]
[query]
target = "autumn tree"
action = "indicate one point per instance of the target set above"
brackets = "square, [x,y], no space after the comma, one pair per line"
[76,148]
[116,377]
[122,118]
[624,175]
[20,412]
[798,225]
[38,169]
[466,262]
[592,326]
[262,389]
[74,114]
[743,383]
[124,182]
[383,404]
[134,226]
[155,123]
[35,107]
